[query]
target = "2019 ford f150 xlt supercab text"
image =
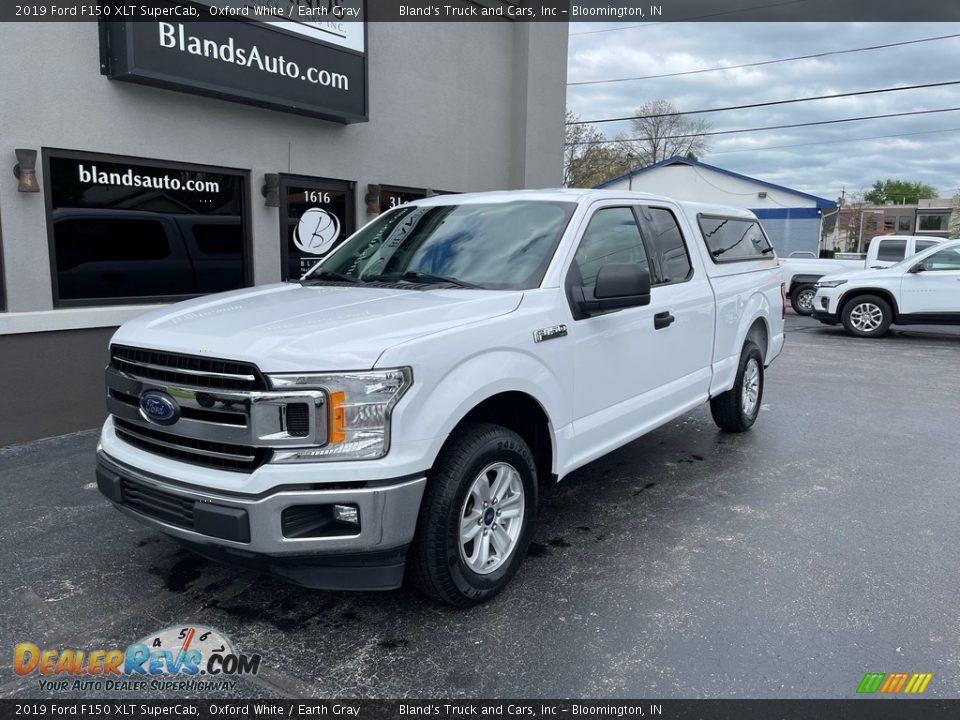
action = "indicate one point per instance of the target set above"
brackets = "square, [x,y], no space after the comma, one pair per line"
[394,410]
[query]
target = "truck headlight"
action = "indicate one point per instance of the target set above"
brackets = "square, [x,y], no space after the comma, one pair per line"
[358,412]
[830,283]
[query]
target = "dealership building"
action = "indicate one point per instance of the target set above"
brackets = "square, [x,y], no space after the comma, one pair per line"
[152,161]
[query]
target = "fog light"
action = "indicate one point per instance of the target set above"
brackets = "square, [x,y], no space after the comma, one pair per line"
[825,303]
[349,514]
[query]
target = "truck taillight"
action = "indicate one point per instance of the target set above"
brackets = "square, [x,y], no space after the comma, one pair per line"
[783,301]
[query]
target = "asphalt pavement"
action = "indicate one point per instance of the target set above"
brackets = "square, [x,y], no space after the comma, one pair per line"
[785,562]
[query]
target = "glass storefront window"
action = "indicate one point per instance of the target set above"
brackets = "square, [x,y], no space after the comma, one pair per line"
[392,196]
[136,230]
[316,215]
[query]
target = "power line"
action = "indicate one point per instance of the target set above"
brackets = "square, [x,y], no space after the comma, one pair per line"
[771,127]
[765,62]
[828,142]
[766,104]
[694,17]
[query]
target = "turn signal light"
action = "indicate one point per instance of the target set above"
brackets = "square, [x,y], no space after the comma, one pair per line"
[337,432]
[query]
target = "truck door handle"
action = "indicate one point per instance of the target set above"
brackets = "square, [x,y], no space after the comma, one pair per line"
[662,320]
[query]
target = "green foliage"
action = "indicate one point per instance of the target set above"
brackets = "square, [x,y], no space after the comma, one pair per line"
[898,192]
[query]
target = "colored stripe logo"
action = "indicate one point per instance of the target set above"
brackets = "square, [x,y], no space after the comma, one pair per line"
[894,683]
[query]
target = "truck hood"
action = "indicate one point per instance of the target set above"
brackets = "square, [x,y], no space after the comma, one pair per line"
[867,276]
[287,327]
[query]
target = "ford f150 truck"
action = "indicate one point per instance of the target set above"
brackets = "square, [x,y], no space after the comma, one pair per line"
[921,289]
[801,274]
[393,411]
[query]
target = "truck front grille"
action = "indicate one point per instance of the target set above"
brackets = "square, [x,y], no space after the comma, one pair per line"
[225,456]
[190,370]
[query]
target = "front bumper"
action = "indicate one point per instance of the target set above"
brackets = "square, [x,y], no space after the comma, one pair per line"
[825,305]
[827,318]
[254,531]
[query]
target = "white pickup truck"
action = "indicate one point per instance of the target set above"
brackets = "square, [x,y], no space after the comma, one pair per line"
[801,274]
[923,289]
[394,410]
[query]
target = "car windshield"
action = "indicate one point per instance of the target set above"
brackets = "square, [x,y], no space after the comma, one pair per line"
[487,245]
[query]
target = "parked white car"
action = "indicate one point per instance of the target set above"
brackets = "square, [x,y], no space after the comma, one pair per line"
[921,289]
[396,408]
[801,274]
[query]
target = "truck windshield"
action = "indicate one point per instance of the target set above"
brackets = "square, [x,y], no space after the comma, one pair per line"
[503,246]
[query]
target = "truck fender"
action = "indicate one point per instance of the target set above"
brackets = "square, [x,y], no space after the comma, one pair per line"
[490,373]
[756,308]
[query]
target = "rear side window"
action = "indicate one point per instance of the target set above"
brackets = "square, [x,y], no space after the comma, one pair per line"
[667,245]
[892,250]
[611,237]
[924,244]
[731,239]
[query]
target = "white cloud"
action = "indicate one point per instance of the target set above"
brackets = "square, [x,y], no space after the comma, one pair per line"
[823,169]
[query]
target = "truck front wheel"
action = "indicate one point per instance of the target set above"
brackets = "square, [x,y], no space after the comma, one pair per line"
[736,410]
[477,516]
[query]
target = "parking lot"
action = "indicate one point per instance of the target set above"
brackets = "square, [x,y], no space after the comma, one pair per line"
[784,562]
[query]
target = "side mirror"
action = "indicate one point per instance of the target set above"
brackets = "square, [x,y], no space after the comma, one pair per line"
[619,285]
[919,267]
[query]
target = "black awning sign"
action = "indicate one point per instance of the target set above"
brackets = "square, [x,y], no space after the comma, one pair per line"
[256,63]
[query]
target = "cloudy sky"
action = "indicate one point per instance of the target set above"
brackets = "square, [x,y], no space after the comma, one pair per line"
[829,157]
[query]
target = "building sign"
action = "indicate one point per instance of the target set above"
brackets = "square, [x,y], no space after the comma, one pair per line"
[133,230]
[315,217]
[316,68]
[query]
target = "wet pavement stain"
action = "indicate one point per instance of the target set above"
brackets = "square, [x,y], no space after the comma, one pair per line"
[537,550]
[183,572]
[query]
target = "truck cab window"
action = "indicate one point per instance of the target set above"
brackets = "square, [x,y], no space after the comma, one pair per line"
[668,246]
[611,237]
[891,250]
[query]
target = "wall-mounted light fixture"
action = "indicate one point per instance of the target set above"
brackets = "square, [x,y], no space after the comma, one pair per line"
[372,199]
[26,170]
[271,189]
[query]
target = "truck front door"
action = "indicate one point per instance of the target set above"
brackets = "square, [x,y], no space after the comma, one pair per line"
[633,367]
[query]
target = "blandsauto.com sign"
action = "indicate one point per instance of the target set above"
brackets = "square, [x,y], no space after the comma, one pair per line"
[268,64]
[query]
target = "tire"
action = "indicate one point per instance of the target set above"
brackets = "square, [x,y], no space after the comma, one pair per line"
[736,410]
[443,563]
[867,316]
[801,299]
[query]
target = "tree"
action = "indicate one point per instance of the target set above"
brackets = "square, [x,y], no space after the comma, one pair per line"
[898,192]
[588,157]
[660,131]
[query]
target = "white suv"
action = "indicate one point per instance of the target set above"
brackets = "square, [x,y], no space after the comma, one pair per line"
[921,289]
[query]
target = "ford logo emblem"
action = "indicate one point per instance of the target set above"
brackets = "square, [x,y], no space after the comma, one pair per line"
[159,408]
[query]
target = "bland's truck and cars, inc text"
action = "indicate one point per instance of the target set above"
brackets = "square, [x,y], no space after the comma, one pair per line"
[393,411]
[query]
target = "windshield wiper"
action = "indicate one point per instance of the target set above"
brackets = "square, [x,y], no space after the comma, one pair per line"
[416,276]
[329,275]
